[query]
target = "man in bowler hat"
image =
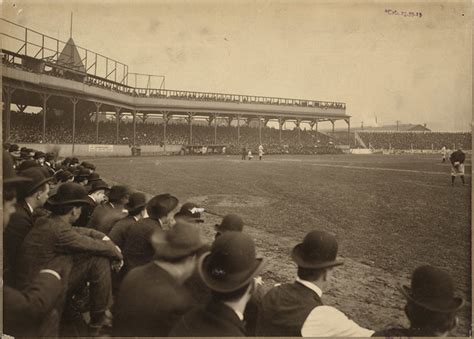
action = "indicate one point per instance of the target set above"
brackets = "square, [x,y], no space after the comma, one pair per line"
[91,251]
[296,309]
[96,195]
[29,312]
[228,270]
[137,249]
[152,297]
[106,215]
[230,223]
[431,305]
[31,196]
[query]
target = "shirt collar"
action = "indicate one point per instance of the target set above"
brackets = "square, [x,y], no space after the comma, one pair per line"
[135,217]
[92,197]
[29,207]
[311,286]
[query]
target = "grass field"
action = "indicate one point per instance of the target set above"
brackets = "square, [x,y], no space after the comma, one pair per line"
[390,214]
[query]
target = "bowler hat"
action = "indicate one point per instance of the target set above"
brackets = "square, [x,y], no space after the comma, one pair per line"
[231,222]
[70,193]
[191,211]
[231,263]
[64,176]
[82,173]
[182,240]
[117,192]
[98,185]
[9,174]
[318,250]
[37,177]
[13,148]
[39,154]
[136,201]
[93,177]
[88,165]
[74,160]
[50,156]
[432,289]
[27,164]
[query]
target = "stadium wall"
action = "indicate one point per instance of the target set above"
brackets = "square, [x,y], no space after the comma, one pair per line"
[90,150]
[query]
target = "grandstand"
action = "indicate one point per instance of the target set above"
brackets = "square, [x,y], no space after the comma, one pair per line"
[76,88]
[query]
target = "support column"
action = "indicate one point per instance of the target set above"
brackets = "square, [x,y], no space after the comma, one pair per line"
[134,114]
[117,120]
[215,128]
[332,122]
[97,109]
[297,123]
[348,122]
[281,121]
[45,98]
[190,119]
[166,119]
[260,130]
[238,129]
[8,100]
[316,127]
[229,120]
[74,103]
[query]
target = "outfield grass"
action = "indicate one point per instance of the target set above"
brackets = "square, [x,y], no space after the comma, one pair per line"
[390,214]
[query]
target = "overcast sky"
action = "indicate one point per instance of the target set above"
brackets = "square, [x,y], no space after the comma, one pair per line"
[393,67]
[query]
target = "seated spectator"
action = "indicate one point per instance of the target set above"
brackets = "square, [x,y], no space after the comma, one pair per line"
[89,166]
[32,194]
[228,270]
[29,312]
[96,194]
[190,212]
[431,306]
[81,175]
[106,215]
[136,208]
[94,176]
[296,309]
[151,297]
[137,249]
[91,251]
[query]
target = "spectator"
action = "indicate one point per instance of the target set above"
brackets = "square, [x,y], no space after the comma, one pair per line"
[230,223]
[190,212]
[296,309]
[145,313]
[91,251]
[431,306]
[228,270]
[32,195]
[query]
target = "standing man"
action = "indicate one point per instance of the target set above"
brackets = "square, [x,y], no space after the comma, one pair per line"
[443,152]
[457,161]
[296,309]
[260,152]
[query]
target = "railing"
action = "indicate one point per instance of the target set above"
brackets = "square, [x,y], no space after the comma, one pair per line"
[97,70]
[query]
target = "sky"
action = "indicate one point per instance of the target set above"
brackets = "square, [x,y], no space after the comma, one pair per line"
[385,67]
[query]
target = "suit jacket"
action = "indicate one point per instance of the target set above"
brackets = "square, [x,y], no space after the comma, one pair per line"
[137,249]
[30,312]
[284,309]
[21,223]
[118,233]
[52,237]
[104,217]
[86,213]
[149,303]
[214,320]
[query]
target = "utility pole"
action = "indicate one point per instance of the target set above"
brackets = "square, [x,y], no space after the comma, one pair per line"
[398,122]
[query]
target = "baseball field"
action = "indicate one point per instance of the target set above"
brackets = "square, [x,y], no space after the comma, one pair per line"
[390,213]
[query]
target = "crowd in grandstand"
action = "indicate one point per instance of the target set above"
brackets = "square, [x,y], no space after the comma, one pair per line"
[415,140]
[74,245]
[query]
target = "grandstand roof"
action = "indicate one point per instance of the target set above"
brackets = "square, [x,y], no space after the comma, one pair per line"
[70,56]
[395,128]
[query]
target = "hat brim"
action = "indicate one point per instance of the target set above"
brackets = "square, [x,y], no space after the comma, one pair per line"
[442,307]
[38,185]
[233,281]
[298,258]
[163,250]
[16,180]
[135,208]
[55,202]
[95,189]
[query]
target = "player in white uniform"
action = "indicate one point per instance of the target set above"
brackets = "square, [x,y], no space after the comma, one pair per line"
[444,152]
[260,152]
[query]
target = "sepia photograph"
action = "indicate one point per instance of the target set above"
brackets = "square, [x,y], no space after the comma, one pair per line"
[259,168]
